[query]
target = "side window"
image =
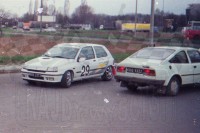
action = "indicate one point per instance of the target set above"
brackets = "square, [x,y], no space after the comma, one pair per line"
[87,52]
[179,58]
[100,52]
[194,56]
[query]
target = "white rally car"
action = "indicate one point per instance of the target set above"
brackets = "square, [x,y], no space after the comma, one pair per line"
[70,62]
[167,68]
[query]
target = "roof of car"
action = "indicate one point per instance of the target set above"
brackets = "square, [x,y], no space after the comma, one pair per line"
[80,45]
[176,48]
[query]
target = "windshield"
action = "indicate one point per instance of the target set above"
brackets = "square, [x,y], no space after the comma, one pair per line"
[153,53]
[62,52]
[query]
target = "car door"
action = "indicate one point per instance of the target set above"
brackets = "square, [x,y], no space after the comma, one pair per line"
[194,56]
[85,68]
[181,66]
[102,59]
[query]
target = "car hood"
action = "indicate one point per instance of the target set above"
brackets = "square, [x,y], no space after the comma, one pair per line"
[139,62]
[41,63]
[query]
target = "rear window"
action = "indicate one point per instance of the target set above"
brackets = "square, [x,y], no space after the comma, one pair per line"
[100,52]
[153,53]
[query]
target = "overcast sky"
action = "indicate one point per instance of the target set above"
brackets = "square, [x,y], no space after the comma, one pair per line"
[111,7]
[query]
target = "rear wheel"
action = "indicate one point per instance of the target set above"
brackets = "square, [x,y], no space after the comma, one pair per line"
[108,75]
[173,86]
[132,87]
[66,79]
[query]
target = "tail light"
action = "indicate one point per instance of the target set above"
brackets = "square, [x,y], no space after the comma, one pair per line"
[149,72]
[121,69]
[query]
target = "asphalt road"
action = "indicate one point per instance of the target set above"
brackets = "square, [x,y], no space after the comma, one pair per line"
[94,106]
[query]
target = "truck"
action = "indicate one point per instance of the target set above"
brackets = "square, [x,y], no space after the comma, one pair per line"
[192,31]
[132,27]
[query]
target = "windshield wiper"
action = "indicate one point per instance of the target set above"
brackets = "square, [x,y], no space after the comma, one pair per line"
[58,56]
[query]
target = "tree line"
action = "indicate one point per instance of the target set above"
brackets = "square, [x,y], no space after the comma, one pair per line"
[85,14]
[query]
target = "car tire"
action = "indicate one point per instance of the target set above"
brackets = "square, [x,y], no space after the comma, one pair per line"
[67,79]
[108,75]
[132,88]
[173,86]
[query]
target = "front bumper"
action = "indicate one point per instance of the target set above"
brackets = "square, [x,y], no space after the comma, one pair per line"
[42,77]
[140,81]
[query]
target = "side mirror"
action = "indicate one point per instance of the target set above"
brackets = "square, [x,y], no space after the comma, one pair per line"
[81,59]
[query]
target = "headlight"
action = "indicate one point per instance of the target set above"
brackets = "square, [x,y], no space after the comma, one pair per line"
[52,69]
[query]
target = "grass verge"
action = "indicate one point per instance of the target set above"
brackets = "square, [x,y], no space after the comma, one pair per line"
[120,56]
[6,60]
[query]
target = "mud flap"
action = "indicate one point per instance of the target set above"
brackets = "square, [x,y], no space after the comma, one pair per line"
[113,70]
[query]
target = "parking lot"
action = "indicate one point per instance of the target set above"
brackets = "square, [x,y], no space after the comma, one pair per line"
[94,106]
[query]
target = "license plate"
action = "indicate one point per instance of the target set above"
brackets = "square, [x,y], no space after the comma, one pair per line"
[36,75]
[135,70]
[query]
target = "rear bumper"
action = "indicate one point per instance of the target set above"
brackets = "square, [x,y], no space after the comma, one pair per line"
[140,81]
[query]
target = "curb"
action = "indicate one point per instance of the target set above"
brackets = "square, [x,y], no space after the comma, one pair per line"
[10,68]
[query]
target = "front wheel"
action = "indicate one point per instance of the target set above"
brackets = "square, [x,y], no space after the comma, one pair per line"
[31,82]
[66,79]
[108,75]
[173,86]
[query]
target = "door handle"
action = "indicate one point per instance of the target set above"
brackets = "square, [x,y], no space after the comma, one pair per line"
[94,60]
[195,66]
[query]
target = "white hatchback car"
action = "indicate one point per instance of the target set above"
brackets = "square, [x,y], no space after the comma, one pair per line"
[167,68]
[70,62]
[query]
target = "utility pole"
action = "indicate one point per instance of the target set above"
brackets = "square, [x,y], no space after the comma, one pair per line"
[163,8]
[41,10]
[152,23]
[136,3]
[30,7]
[163,12]
[35,10]
[66,8]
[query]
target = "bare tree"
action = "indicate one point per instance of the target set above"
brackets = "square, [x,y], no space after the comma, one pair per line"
[27,17]
[3,15]
[158,17]
[195,12]
[83,14]
[51,10]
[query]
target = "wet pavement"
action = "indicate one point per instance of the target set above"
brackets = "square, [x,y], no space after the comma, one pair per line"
[94,106]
